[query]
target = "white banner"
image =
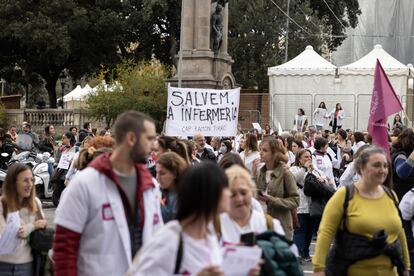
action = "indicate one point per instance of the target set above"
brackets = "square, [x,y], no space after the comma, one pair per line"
[207,111]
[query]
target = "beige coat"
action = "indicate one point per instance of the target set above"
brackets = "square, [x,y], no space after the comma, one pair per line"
[283,195]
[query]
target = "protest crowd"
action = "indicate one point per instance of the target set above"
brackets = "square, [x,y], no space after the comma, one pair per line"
[131,201]
[135,202]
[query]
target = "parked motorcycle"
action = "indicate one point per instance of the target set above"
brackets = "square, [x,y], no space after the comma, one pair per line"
[3,172]
[43,186]
[39,164]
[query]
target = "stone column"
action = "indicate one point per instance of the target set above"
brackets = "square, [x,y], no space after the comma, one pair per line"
[223,49]
[188,35]
[202,25]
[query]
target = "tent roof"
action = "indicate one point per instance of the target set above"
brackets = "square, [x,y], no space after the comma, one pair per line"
[79,93]
[308,62]
[74,94]
[366,64]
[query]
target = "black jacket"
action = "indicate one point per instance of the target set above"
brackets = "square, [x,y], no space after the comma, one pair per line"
[319,193]
[83,133]
[46,145]
[401,185]
[6,148]
[207,155]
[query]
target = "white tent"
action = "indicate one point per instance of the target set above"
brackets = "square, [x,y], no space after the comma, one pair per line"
[76,98]
[357,80]
[73,95]
[297,84]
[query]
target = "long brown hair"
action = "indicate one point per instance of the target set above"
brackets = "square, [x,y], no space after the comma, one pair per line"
[174,163]
[10,198]
[277,149]
[251,143]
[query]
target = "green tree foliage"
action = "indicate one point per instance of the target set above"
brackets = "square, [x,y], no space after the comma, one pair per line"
[45,37]
[141,87]
[257,31]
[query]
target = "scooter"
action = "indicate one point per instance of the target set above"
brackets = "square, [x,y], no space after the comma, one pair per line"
[44,189]
[3,173]
[25,157]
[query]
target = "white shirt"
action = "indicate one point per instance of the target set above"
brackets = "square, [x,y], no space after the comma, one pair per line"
[257,206]
[407,207]
[340,118]
[335,163]
[324,164]
[236,142]
[92,206]
[248,160]
[158,257]
[319,116]
[356,146]
[300,121]
[291,158]
[231,231]
[349,176]
[304,202]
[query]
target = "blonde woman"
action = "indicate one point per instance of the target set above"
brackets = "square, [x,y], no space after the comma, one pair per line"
[242,218]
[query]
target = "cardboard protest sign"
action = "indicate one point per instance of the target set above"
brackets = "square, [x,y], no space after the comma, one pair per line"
[197,110]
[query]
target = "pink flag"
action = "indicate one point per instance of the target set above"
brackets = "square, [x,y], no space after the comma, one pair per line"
[384,102]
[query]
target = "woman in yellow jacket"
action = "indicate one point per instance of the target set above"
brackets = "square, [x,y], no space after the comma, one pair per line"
[369,210]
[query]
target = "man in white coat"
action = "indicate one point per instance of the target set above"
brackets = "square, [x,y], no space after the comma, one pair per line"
[111,208]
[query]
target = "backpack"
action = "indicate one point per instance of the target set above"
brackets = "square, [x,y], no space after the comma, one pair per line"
[350,194]
[279,260]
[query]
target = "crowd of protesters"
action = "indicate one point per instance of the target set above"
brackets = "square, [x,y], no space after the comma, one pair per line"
[138,203]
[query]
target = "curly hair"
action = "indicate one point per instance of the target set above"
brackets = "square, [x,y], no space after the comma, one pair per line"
[96,146]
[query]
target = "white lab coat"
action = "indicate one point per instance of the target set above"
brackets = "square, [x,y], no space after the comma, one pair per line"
[356,146]
[159,256]
[340,119]
[324,164]
[93,207]
[303,122]
[407,207]
[231,231]
[319,116]
[349,176]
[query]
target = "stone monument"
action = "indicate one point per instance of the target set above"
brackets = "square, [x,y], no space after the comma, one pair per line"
[205,61]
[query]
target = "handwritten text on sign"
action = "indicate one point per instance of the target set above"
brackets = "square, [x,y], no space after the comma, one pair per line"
[208,111]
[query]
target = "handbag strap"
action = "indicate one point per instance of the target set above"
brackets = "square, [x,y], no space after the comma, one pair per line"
[38,212]
[348,196]
[179,256]
[350,193]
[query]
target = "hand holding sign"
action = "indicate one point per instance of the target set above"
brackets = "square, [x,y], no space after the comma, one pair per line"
[9,239]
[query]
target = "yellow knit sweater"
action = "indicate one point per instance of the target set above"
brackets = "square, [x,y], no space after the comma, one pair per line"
[364,216]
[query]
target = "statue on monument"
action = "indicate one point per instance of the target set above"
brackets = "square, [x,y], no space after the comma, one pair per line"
[217,25]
